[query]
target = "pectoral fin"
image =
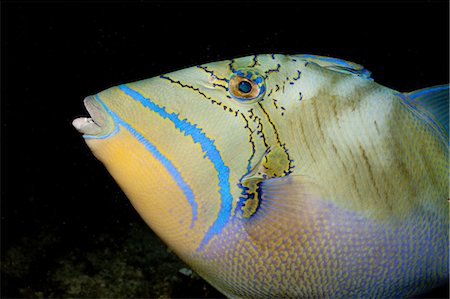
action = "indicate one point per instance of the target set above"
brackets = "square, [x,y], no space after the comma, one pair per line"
[294,207]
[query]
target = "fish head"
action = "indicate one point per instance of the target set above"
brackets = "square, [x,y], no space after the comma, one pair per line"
[189,147]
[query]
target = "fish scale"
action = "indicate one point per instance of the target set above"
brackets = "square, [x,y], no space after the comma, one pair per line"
[311,180]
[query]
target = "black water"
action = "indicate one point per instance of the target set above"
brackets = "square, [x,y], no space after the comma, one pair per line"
[66,228]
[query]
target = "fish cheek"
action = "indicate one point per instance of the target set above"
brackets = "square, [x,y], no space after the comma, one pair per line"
[149,186]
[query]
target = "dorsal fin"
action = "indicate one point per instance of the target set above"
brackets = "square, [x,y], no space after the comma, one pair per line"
[338,65]
[435,100]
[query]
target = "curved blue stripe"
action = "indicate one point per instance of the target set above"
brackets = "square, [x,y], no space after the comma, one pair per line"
[116,129]
[211,152]
[189,194]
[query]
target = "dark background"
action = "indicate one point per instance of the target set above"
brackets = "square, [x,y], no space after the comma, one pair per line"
[66,228]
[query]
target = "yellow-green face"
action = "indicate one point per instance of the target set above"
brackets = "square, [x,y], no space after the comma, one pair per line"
[184,145]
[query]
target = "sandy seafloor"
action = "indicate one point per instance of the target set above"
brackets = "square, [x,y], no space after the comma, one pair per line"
[67,230]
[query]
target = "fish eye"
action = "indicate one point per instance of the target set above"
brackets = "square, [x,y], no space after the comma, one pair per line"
[246,85]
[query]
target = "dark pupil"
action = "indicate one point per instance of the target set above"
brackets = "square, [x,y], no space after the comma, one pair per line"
[245,87]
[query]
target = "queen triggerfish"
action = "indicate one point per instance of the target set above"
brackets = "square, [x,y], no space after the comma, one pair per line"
[277,176]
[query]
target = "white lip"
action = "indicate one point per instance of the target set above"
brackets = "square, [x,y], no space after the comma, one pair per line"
[93,125]
[86,125]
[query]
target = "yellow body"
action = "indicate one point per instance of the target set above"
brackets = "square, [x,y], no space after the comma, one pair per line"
[325,184]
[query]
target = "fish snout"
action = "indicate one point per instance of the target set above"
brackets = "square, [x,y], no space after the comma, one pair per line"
[99,121]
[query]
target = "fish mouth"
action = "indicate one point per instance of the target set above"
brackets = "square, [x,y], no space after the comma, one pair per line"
[99,123]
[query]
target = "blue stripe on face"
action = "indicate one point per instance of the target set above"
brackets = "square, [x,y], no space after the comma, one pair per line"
[116,129]
[211,152]
[161,158]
